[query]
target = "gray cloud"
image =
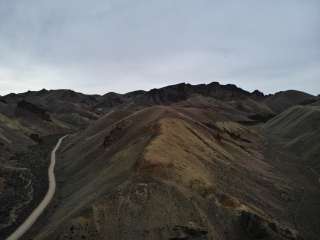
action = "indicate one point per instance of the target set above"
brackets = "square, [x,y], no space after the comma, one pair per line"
[99,46]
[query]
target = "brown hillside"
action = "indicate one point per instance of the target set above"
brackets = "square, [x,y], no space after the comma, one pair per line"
[160,174]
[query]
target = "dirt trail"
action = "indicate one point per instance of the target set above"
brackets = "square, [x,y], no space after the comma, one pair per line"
[26,225]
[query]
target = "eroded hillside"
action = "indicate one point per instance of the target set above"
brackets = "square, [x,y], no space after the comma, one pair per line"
[181,162]
[163,173]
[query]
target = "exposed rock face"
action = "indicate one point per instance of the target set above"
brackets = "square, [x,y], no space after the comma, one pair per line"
[181,92]
[258,94]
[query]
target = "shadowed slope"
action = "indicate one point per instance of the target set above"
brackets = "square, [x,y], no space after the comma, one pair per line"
[295,145]
[300,127]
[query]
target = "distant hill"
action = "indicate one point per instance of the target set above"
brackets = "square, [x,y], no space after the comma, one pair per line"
[285,99]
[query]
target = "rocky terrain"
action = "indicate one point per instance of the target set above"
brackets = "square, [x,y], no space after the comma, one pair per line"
[181,162]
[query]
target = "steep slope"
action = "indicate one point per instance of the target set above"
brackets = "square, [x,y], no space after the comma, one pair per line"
[295,137]
[161,174]
[299,127]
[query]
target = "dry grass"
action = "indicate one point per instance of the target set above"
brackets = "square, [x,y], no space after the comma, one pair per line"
[177,153]
[188,154]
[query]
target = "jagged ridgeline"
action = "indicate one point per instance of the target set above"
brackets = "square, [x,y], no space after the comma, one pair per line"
[204,161]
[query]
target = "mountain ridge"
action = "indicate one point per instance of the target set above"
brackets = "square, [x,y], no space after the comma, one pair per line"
[180,162]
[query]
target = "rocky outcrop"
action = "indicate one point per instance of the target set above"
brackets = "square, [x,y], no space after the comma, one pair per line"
[257,227]
[183,91]
[258,94]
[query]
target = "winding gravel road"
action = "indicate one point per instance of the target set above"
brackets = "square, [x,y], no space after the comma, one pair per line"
[26,225]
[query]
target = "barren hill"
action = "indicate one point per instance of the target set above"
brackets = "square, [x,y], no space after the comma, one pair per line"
[181,162]
[164,174]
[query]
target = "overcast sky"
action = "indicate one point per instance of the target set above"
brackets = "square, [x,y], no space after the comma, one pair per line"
[97,46]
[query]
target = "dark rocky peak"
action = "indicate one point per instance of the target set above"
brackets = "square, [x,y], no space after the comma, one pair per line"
[29,93]
[43,91]
[112,95]
[182,91]
[258,94]
[110,100]
[66,94]
[134,93]
[166,95]
[226,92]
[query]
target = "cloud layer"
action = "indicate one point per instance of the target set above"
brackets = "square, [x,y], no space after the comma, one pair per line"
[122,45]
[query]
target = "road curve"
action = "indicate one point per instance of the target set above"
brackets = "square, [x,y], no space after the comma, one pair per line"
[25,226]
